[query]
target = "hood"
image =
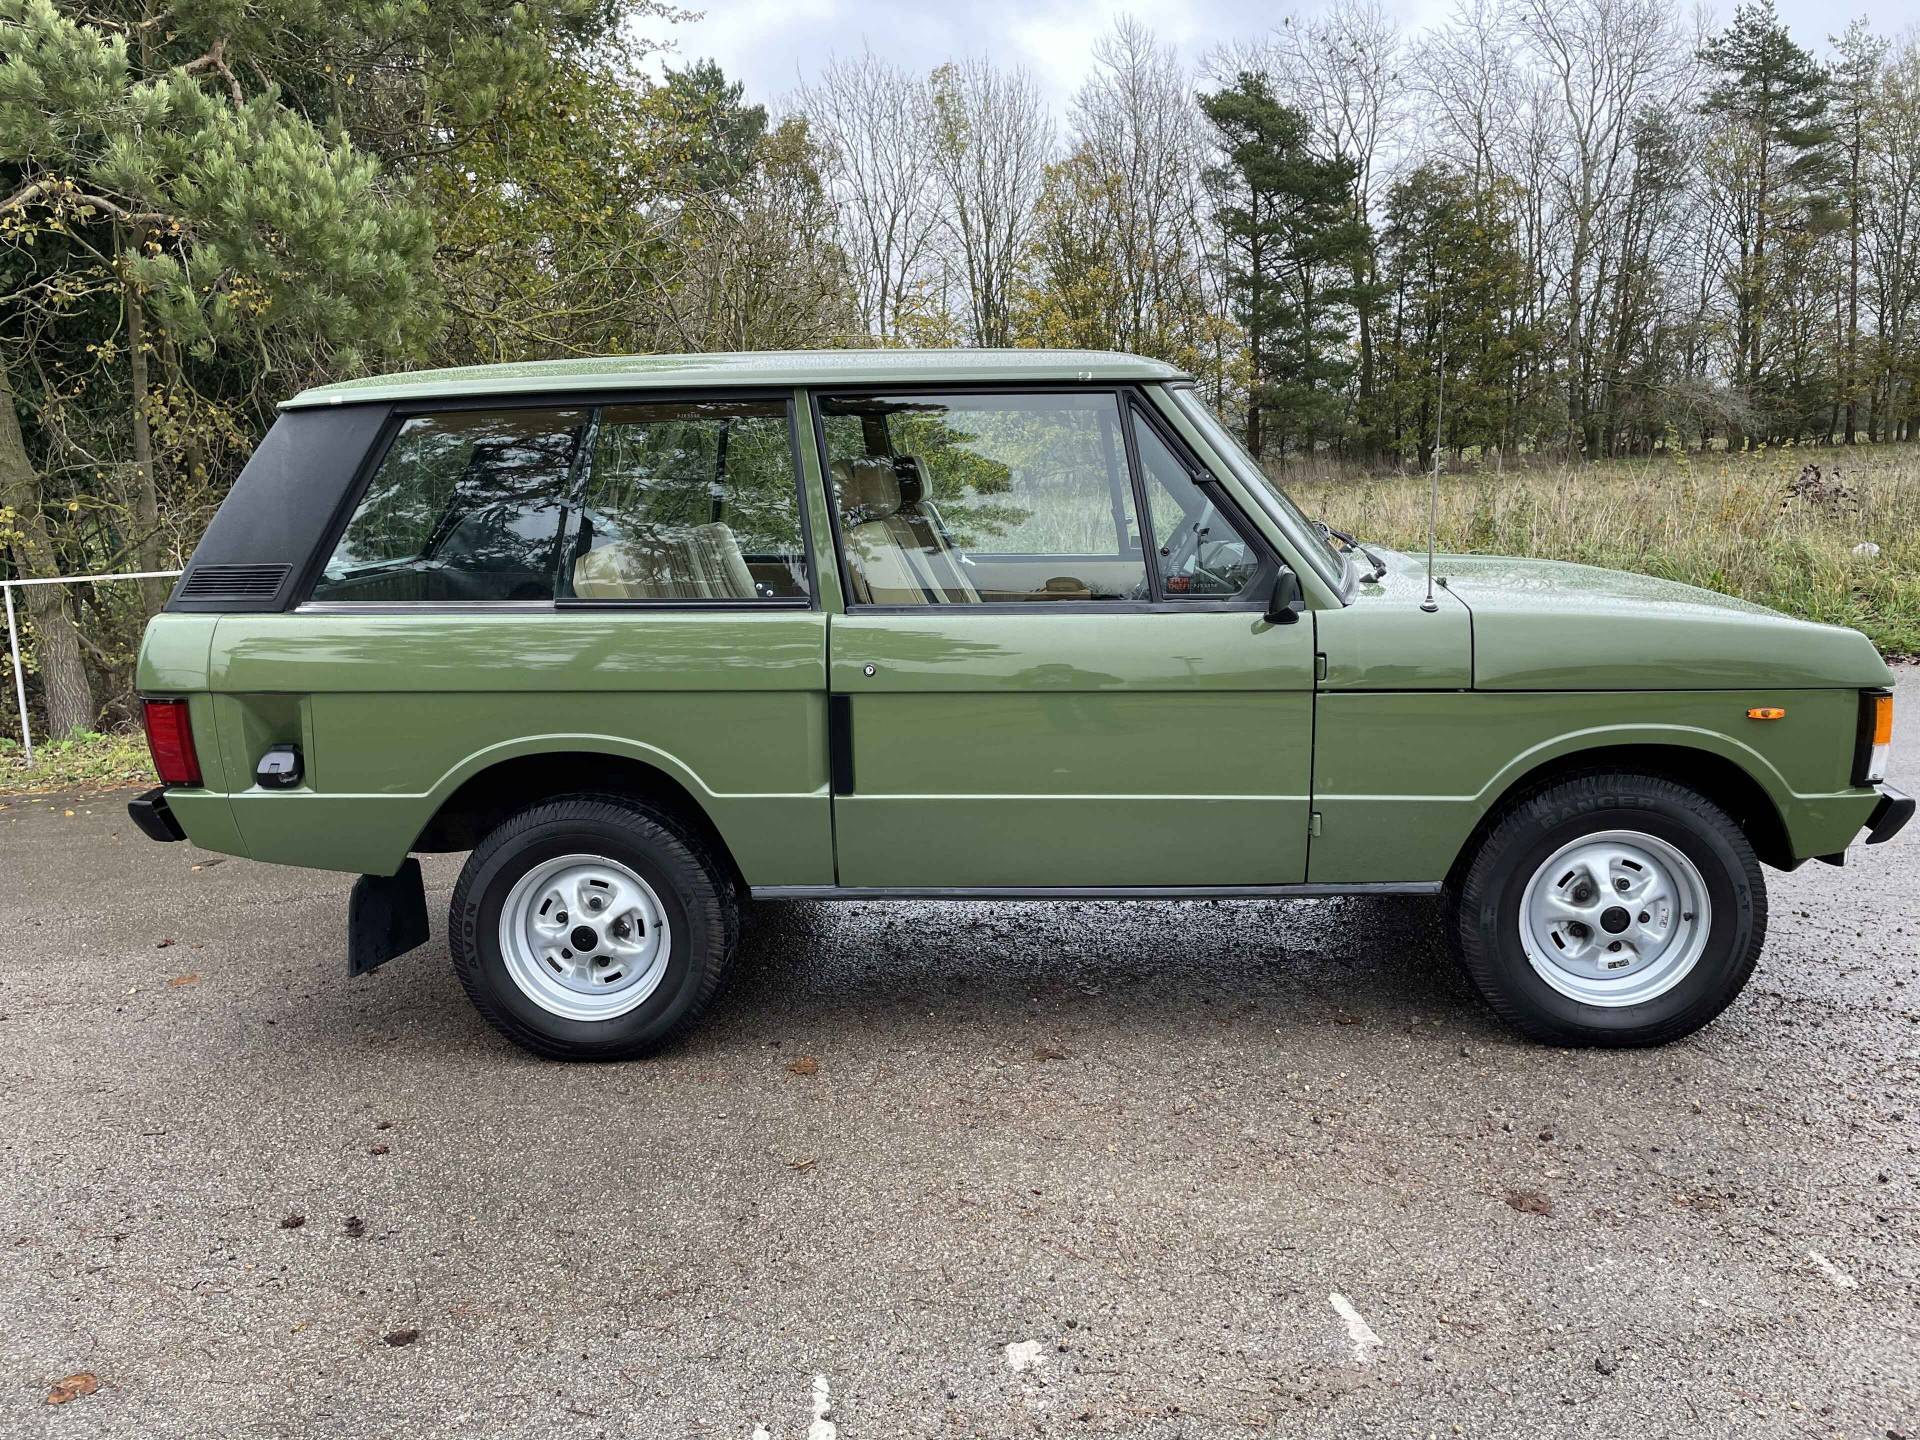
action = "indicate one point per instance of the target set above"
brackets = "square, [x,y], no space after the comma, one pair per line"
[1548,625]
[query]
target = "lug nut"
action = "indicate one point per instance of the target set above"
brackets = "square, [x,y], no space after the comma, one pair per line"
[1621,883]
[1643,917]
[1615,945]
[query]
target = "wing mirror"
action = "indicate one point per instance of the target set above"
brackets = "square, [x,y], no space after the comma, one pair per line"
[1284,601]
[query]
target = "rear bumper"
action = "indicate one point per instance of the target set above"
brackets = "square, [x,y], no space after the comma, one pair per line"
[157,822]
[1890,815]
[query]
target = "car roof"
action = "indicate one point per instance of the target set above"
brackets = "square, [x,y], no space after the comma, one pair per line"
[783,368]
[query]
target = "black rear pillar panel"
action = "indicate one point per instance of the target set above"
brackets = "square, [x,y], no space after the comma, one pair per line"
[286,504]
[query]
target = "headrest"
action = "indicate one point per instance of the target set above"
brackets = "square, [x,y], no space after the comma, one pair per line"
[913,489]
[869,488]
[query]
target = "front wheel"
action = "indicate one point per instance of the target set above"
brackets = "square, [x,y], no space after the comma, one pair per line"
[1610,909]
[592,927]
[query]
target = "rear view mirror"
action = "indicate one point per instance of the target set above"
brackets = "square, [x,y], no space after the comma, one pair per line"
[1284,601]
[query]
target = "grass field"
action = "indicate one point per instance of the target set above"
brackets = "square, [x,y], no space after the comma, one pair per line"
[1733,523]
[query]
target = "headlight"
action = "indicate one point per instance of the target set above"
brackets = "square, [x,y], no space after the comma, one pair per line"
[1876,737]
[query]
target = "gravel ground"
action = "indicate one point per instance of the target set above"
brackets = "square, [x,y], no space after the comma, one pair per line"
[1202,1170]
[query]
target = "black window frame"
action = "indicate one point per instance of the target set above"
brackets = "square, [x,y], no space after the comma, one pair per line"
[594,403]
[1252,595]
[1130,400]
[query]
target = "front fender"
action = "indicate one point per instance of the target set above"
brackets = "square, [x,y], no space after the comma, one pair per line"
[1401,780]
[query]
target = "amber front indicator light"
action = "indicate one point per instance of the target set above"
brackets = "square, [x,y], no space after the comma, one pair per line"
[1876,737]
[170,740]
[1766,712]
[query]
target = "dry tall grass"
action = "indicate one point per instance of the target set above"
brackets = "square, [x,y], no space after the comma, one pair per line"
[1735,523]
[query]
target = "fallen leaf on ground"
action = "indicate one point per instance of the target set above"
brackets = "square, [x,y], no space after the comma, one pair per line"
[177,981]
[402,1337]
[73,1387]
[293,1222]
[163,944]
[806,1164]
[376,1150]
[355,1226]
[1047,1052]
[805,1065]
[1529,1202]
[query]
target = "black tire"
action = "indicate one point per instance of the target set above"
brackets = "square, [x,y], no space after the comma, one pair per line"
[1484,908]
[693,890]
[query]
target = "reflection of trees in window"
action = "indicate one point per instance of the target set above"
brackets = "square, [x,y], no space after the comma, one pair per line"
[474,499]
[1035,474]
[661,469]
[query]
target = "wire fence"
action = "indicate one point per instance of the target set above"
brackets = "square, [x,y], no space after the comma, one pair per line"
[17,648]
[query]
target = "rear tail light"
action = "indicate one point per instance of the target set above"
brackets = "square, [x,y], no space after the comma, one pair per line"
[1876,737]
[170,739]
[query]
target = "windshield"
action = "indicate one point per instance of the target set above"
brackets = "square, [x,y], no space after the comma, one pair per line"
[1318,547]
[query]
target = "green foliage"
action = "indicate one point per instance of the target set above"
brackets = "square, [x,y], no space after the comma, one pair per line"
[84,760]
[1455,272]
[1293,244]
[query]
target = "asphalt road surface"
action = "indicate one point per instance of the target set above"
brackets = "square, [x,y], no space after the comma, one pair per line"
[1212,1169]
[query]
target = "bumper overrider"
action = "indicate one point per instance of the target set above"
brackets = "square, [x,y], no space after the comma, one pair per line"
[1890,816]
[149,811]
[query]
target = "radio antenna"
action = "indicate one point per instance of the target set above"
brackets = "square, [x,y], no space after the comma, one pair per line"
[1433,480]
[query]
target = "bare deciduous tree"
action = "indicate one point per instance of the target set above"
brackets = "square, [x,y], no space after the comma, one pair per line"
[992,138]
[871,120]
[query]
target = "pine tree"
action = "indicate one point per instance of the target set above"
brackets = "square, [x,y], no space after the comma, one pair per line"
[1292,237]
[1771,97]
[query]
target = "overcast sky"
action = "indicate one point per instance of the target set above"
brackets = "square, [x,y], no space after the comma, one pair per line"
[770,43]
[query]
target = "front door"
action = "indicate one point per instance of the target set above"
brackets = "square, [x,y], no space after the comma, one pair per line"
[1054,669]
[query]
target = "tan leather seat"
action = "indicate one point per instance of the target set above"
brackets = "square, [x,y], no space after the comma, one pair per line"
[894,556]
[699,562]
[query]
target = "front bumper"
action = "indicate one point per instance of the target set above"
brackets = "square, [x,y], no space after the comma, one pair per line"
[1890,815]
[149,811]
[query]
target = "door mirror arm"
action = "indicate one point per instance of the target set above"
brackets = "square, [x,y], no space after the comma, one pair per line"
[1284,600]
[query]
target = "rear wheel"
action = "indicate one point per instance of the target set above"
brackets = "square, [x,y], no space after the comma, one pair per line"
[1610,909]
[592,927]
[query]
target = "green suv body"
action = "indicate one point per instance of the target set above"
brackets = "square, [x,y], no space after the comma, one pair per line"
[656,636]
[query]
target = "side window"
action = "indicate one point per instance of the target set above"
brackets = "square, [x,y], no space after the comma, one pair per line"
[953,499]
[690,501]
[1200,555]
[467,505]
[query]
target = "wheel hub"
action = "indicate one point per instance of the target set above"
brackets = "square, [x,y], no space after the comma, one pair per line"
[1615,918]
[584,937]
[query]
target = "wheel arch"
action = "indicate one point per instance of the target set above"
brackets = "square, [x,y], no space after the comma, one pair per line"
[476,796]
[1724,773]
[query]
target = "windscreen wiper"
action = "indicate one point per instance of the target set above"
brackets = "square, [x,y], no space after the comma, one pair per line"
[1379,565]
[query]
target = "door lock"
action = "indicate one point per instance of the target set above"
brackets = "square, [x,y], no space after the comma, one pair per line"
[869,669]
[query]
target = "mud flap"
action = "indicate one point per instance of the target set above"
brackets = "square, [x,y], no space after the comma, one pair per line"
[386,916]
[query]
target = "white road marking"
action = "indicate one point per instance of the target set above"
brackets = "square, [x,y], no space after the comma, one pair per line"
[1365,1342]
[1841,1280]
[760,1433]
[822,1428]
[1025,1355]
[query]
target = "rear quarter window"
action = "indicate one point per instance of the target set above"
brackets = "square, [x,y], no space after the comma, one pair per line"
[648,502]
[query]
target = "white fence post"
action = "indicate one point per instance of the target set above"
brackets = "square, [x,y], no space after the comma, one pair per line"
[19,675]
[7,587]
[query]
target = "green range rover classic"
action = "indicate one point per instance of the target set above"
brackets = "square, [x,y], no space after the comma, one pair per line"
[654,637]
